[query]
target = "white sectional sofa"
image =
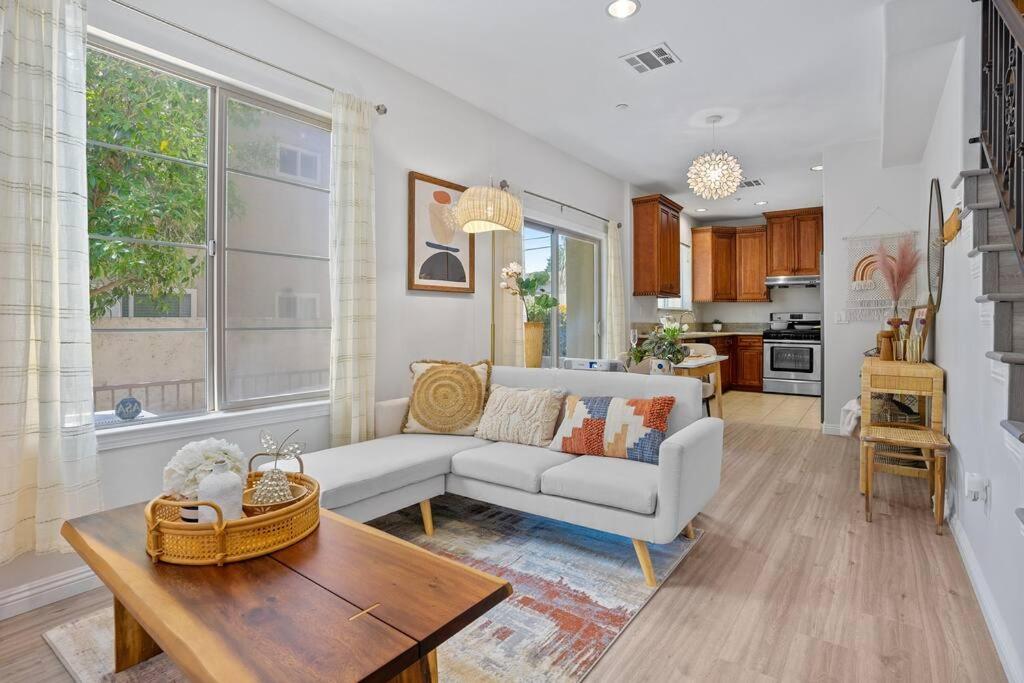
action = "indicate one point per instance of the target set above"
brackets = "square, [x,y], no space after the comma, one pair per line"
[645,502]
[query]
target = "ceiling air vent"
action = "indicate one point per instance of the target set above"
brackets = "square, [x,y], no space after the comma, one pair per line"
[650,59]
[753,182]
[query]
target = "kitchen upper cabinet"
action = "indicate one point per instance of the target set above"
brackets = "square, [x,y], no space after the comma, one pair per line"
[714,264]
[656,246]
[748,367]
[808,239]
[751,264]
[794,242]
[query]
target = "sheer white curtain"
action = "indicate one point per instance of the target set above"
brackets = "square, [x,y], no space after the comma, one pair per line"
[615,334]
[507,309]
[47,443]
[353,272]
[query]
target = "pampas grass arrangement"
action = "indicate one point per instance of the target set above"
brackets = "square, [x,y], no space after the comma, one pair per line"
[899,271]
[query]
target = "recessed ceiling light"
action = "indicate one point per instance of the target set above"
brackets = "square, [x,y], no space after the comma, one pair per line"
[622,105]
[701,210]
[819,167]
[623,9]
[760,203]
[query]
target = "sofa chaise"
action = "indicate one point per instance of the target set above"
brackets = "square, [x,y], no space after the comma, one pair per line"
[645,502]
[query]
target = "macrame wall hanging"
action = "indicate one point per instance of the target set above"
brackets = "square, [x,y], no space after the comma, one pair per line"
[867,296]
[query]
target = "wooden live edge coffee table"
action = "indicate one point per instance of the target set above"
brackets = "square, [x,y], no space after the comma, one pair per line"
[347,603]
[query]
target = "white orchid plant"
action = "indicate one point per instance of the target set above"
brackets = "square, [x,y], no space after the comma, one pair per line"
[194,461]
[531,290]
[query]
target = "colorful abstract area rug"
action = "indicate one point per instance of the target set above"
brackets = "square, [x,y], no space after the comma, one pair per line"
[575,591]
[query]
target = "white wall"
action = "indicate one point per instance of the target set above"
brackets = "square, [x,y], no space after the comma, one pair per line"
[861,198]
[791,300]
[426,130]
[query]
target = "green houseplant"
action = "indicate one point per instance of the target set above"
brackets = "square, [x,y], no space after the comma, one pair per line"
[531,290]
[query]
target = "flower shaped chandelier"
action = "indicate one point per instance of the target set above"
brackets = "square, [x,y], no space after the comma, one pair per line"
[715,174]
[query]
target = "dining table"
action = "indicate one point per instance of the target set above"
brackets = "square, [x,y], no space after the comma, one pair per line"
[703,367]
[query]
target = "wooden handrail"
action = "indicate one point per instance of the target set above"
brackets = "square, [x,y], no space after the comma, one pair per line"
[1010,11]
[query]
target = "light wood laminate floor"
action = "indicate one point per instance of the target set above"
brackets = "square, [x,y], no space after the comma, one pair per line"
[788,583]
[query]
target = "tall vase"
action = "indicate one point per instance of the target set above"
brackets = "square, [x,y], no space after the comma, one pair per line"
[533,340]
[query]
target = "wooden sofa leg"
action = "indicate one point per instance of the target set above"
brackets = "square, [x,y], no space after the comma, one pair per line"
[645,562]
[688,532]
[428,517]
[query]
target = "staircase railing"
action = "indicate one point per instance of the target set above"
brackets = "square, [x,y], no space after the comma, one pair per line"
[1002,109]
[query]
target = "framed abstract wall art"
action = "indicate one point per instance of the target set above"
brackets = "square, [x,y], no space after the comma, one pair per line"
[441,256]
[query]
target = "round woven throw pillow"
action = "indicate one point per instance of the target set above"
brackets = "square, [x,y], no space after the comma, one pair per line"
[447,398]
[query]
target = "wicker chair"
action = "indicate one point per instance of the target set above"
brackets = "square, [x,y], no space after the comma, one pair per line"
[917,445]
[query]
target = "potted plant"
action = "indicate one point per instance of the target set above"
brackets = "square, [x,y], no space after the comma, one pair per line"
[664,343]
[716,325]
[531,290]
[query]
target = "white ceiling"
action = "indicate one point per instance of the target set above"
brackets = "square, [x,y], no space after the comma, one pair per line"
[793,75]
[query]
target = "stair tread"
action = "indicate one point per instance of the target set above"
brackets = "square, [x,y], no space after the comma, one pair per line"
[1007,357]
[999,296]
[973,173]
[1015,428]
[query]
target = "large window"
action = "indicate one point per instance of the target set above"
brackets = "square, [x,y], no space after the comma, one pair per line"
[208,243]
[572,265]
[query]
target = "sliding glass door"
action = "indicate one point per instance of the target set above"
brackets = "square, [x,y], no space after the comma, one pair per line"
[572,267]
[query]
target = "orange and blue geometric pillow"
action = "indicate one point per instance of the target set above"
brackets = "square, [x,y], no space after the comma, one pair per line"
[630,428]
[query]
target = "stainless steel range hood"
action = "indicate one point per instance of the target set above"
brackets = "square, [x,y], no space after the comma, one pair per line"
[793,281]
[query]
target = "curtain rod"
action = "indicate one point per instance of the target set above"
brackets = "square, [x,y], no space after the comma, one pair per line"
[380,108]
[570,206]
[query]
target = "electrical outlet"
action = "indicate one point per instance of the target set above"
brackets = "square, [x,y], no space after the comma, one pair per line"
[841,318]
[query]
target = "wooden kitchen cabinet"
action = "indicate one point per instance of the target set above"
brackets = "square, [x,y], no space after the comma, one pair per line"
[751,264]
[726,346]
[794,242]
[714,264]
[656,246]
[749,365]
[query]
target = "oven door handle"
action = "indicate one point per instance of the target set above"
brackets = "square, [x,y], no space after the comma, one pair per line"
[783,342]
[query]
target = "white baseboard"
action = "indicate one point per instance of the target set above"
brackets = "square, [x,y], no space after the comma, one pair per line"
[1013,666]
[832,430]
[29,596]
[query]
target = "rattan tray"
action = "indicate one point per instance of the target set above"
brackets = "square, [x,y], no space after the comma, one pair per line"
[171,540]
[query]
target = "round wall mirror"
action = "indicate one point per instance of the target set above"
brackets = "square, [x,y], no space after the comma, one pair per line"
[936,249]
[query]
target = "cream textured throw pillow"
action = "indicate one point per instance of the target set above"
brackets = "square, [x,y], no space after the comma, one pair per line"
[526,416]
[447,397]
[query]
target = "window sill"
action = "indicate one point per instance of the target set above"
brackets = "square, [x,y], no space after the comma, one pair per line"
[205,425]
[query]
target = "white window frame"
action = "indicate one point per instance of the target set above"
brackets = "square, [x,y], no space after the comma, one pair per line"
[216,166]
[554,285]
[300,152]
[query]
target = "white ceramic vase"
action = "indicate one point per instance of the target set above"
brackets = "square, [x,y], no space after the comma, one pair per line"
[223,487]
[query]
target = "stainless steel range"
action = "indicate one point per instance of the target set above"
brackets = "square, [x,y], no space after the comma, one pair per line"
[792,354]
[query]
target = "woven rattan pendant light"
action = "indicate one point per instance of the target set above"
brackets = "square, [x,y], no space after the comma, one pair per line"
[482,208]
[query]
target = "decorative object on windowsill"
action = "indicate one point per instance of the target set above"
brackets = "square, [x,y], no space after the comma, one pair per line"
[170,540]
[128,408]
[716,325]
[715,174]
[224,488]
[532,291]
[484,208]
[193,462]
[274,490]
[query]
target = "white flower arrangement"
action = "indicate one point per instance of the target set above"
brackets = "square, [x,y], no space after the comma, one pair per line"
[194,461]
